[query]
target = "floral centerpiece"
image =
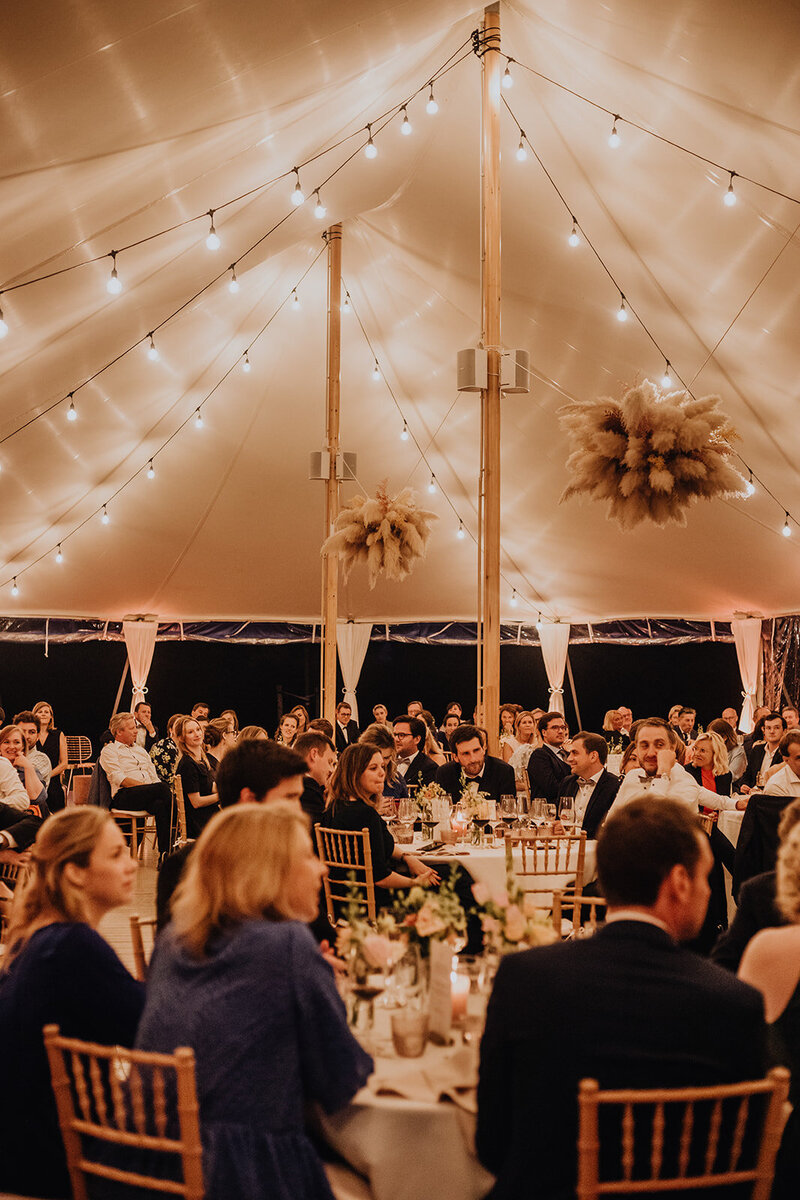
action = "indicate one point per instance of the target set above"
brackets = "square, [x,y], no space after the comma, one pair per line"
[429,915]
[508,922]
[428,798]
[378,944]
[472,801]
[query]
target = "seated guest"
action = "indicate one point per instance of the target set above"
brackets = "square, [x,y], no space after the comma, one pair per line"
[548,766]
[763,756]
[448,727]
[686,723]
[662,776]
[301,713]
[482,772]
[431,745]
[527,738]
[28,725]
[612,729]
[756,907]
[414,766]
[287,730]
[641,1011]
[394,787]
[627,720]
[220,737]
[146,732]
[165,751]
[19,825]
[52,743]
[230,715]
[771,963]
[322,726]
[194,771]
[673,717]
[319,754]
[731,716]
[453,709]
[786,780]
[353,793]
[212,739]
[12,749]
[752,739]
[709,764]
[133,777]
[238,977]
[414,708]
[592,787]
[737,759]
[508,715]
[253,733]
[629,760]
[201,712]
[58,969]
[380,714]
[346,732]
[791,716]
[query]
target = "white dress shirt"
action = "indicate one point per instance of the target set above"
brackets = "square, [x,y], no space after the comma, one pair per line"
[783,783]
[41,765]
[12,789]
[678,785]
[584,794]
[127,762]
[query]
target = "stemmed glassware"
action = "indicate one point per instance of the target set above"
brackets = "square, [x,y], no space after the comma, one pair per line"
[508,811]
[567,814]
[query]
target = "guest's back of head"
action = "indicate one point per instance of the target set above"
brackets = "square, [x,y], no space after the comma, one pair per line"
[253,769]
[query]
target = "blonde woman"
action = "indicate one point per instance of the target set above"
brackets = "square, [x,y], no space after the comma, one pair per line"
[52,743]
[197,777]
[58,969]
[709,764]
[253,733]
[238,977]
[771,963]
[528,739]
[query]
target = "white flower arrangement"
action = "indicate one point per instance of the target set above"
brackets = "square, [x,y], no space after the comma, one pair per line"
[508,922]
[389,535]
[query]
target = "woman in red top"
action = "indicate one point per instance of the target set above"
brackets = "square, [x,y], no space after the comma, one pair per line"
[709,764]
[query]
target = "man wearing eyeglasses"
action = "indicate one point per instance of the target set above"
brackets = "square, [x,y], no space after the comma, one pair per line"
[548,766]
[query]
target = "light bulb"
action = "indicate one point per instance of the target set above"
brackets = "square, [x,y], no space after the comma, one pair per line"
[198,420]
[666,378]
[105,518]
[295,300]
[522,153]
[574,238]
[405,128]
[432,485]
[14,588]
[613,138]
[431,107]
[151,471]
[346,306]
[114,285]
[370,150]
[786,531]
[376,371]
[320,210]
[152,352]
[729,198]
[404,436]
[3,326]
[622,312]
[298,195]
[72,414]
[233,282]
[508,78]
[212,241]
[750,487]
[246,364]
[461,531]
[59,555]
[539,624]
[514,598]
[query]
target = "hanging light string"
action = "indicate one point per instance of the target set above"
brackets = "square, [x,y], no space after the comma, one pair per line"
[382,119]
[147,466]
[629,309]
[462,528]
[221,274]
[618,119]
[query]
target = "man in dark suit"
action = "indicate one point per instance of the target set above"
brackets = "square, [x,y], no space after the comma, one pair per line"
[592,787]
[548,766]
[761,757]
[146,731]
[480,770]
[319,755]
[346,731]
[629,1007]
[409,740]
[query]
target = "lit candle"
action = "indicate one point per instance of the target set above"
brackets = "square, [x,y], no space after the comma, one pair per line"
[459,991]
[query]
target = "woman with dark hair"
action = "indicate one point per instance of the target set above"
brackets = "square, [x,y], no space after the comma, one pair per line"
[353,793]
[393,784]
[287,729]
[301,712]
[165,752]
[219,737]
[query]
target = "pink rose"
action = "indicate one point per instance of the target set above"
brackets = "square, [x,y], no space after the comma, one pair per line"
[429,922]
[500,899]
[516,924]
[481,893]
[379,951]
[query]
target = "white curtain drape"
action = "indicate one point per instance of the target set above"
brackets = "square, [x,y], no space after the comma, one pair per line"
[747,636]
[140,638]
[352,639]
[554,638]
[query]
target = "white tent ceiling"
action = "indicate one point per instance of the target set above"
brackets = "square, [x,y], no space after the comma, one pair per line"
[119,121]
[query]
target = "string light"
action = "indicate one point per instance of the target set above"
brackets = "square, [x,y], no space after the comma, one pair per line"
[431,107]
[729,198]
[105,518]
[295,300]
[233,282]
[574,238]
[59,555]
[405,128]
[198,420]
[346,307]
[3,326]
[376,371]
[622,312]
[151,471]
[787,530]
[404,436]
[666,378]
[246,364]
[14,588]
[114,284]
[212,241]
[514,598]
[750,487]
[508,78]
[298,195]
[522,153]
[72,414]
[462,533]
[613,138]
[320,210]
[432,485]
[370,150]
[539,622]
[152,350]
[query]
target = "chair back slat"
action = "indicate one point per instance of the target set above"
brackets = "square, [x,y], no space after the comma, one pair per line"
[180,803]
[159,1102]
[627,1142]
[687,1127]
[137,1100]
[101,1108]
[346,852]
[738,1133]
[713,1136]
[80,1086]
[117,1098]
[534,858]
[583,913]
[657,1148]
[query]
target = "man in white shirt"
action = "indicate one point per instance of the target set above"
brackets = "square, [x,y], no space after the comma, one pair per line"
[627,719]
[786,781]
[133,777]
[592,786]
[791,717]
[29,728]
[761,757]
[661,775]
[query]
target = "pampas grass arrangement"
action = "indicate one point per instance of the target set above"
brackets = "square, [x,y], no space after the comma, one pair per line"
[650,455]
[388,535]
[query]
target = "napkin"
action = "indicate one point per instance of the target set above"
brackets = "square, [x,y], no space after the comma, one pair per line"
[451,1077]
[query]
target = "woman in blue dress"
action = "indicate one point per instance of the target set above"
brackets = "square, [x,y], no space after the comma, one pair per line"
[238,977]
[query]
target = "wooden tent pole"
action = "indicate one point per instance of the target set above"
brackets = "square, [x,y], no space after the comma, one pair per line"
[491,64]
[330,562]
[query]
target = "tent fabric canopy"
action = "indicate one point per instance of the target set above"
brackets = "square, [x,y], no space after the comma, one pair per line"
[118,122]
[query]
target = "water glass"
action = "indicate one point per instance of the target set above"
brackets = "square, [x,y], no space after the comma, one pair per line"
[409,1032]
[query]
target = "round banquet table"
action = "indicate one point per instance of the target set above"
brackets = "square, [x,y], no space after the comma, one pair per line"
[487,864]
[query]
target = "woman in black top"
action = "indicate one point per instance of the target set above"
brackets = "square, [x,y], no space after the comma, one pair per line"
[53,743]
[199,789]
[356,787]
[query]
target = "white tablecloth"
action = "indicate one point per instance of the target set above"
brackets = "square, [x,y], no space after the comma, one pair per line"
[488,865]
[730,823]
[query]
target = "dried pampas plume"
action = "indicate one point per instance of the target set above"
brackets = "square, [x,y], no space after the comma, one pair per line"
[388,535]
[650,455]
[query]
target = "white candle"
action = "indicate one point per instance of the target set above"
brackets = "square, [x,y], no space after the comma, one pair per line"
[459,991]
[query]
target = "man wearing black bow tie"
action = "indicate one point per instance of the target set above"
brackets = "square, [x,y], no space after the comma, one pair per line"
[412,762]
[475,768]
[548,766]
[592,787]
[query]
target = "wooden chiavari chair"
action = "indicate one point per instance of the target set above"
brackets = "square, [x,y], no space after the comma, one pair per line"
[346,853]
[542,864]
[584,914]
[141,957]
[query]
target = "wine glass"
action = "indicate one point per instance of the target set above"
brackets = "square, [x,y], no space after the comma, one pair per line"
[508,811]
[567,814]
[406,811]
